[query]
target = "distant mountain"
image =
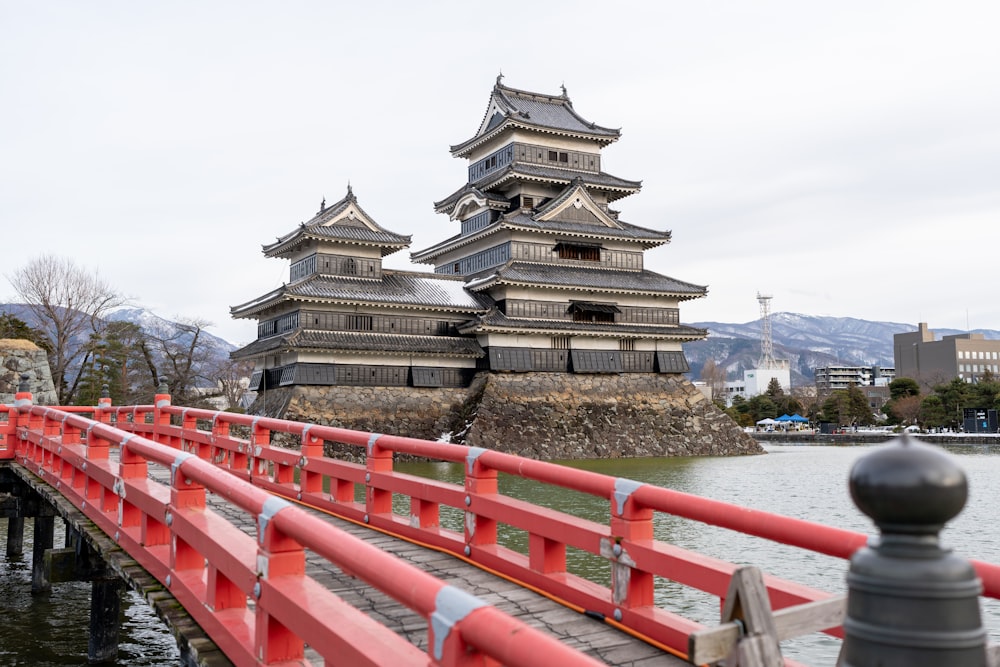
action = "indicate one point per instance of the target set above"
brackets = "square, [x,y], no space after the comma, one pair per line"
[145,319]
[807,342]
[152,323]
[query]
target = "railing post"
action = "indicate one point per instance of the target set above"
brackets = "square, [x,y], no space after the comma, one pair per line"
[631,587]
[377,459]
[161,400]
[278,557]
[22,407]
[480,480]
[103,413]
[909,601]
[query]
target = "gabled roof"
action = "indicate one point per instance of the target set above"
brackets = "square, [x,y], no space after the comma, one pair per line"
[395,288]
[495,321]
[574,196]
[551,114]
[345,222]
[473,197]
[615,187]
[586,279]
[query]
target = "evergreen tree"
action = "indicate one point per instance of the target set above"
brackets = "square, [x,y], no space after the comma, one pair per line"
[16,328]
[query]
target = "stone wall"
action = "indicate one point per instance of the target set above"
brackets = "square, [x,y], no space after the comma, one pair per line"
[537,415]
[17,357]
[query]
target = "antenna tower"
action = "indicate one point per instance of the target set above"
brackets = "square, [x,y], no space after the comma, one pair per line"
[766,343]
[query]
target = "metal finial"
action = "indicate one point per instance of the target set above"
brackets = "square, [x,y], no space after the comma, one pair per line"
[105,392]
[23,385]
[162,389]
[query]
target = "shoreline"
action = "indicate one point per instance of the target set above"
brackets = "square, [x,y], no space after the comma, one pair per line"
[869,437]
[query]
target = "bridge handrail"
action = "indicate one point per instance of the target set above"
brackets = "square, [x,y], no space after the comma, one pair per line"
[202,557]
[801,533]
[625,541]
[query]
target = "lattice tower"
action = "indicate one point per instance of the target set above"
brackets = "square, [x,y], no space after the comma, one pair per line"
[766,343]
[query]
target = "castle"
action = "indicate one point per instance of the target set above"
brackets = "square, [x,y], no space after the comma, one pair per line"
[541,300]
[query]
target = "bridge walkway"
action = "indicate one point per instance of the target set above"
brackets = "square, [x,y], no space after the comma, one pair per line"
[585,633]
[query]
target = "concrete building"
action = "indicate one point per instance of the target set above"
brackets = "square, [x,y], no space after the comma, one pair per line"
[832,378]
[920,356]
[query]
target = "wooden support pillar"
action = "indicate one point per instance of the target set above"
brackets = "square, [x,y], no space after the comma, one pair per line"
[105,617]
[15,536]
[42,536]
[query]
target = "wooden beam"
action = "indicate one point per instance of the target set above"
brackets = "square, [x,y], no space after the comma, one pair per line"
[714,644]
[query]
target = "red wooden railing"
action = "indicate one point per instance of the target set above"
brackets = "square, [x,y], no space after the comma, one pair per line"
[201,444]
[214,569]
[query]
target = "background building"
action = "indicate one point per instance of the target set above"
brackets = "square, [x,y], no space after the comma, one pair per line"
[832,378]
[919,356]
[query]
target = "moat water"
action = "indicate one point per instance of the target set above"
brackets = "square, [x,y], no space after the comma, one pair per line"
[807,482]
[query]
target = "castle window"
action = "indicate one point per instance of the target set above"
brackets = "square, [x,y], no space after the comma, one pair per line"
[560,342]
[553,156]
[597,313]
[590,253]
[359,322]
[563,157]
[527,202]
[626,344]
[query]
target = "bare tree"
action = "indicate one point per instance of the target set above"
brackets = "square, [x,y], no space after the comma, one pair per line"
[68,303]
[233,376]
[714,376]
[182,358]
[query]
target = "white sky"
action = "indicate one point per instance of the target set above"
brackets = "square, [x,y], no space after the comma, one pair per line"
[843,157]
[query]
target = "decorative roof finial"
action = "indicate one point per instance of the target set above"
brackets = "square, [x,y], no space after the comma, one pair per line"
[350,192]
[322,204]
[563,86]
[499,77]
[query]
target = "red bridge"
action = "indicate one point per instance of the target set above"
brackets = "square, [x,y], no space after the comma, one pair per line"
[257,540]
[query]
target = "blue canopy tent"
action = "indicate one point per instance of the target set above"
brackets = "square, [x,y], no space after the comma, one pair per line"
[799,419]
[784,418]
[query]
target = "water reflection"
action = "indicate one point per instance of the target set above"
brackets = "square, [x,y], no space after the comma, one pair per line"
[52,630]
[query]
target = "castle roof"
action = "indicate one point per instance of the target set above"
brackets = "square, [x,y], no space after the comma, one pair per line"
[528,274]
[359,341]
[403,289]
[510,108]
[344,222]
[495,321]
[623,231]
[613,186]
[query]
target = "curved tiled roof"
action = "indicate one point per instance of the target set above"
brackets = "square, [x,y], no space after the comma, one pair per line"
[394,288]
[494,320]
[583,278]
[538,111]
[615,186]
[350,341]
[624,230]
[650,238]
[363,233]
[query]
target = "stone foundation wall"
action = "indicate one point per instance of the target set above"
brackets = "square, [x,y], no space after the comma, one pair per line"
[17,357]
[537,415]
[570,416]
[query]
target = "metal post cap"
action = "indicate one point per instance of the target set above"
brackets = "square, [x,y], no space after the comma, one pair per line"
[909,487]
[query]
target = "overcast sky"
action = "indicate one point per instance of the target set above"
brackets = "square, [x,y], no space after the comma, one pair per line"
[843,157]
